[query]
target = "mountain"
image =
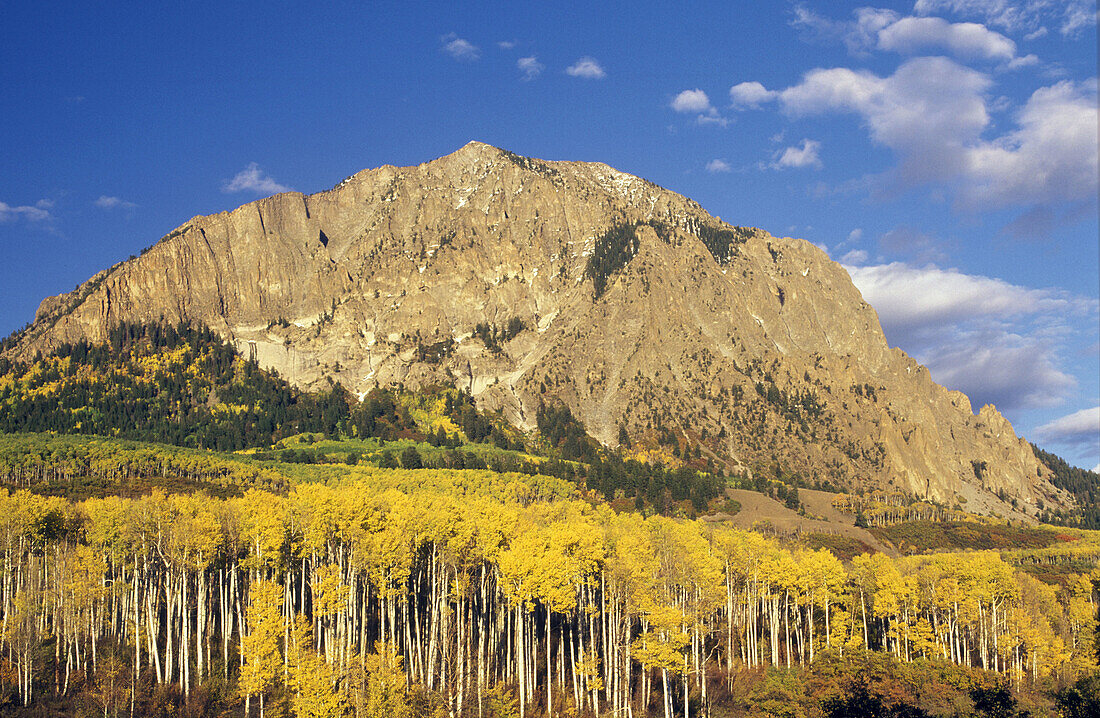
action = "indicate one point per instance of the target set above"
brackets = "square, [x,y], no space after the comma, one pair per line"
[533,282]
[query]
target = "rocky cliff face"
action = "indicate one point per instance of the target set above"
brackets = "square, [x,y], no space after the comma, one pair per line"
[623,300]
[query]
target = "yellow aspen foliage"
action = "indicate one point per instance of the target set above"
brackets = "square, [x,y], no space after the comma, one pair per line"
[662,644]
[589,667]
[311,679]
[386,695]
[263,527]
[260,646]
[330,593]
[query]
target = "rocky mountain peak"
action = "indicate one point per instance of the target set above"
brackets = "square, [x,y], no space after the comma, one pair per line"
[532,282]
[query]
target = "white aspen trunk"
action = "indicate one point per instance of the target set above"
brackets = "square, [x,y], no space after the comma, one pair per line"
[667,700]
[521,671]
[584,678]
[810,626]
[170,615]
[573,660]
[863,605]
[200,623]
[628,698]
[561,655]
[185,637]
[549,675]
[787,626]
[226,621]
[687,705]
[154,627]
[729,628]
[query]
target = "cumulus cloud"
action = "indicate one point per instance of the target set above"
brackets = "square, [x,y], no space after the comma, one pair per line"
[253,179]
[459,48]
[911,298]
[928,111]
[932,112]
[691,101]
[38,212]
[804,155]
[1081,429]
[750,95]
[995,341]
[586,67]
[912,35]
[506,44]
[105,202]
[696,102]
[877,29]
[717,165]
[854,236]
[1008,371]
[1050,158]
[530,67]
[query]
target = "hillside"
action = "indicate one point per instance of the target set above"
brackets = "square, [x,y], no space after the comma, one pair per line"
[408,592]
[410,553]
[534,283]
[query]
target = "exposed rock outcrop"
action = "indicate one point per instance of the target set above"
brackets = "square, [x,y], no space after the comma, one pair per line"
[758,348]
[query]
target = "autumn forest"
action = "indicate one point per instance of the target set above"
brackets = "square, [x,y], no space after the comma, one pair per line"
[268,552]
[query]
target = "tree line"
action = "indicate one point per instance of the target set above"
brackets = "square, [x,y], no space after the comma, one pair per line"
[465,593]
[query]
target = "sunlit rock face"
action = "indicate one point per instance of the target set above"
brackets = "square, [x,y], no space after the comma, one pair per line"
[596,289]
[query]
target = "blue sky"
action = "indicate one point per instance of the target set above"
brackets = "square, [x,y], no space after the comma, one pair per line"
[945,151]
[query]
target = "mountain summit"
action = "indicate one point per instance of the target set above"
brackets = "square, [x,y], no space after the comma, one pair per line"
[532,282]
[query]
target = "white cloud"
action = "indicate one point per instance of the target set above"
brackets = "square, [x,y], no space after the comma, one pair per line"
[39,212]
[459,48]
[750,95]
[1041,32]
[717,165]
[587,68]
[253,179]
[1077,17]
[530,67]
[1081,428]
[1050,158]
[933,112]
[997,342]
[913,298]
[691,101]
[105,202]
[912,35]
[712,118]
[506,44]
[1009,371]
[873,28]
[1025,61]
[854,257]
[854,236]
[1020,16]
[857,35]
[696,101]
[805,155]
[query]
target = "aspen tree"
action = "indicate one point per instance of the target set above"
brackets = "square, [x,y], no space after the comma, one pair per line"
[311,678]
[385,684]
[260,646]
